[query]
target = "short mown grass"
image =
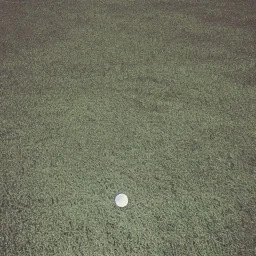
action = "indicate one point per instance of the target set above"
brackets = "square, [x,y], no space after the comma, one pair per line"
[155,99]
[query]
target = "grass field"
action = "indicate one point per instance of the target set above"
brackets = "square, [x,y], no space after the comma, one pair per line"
[155,99]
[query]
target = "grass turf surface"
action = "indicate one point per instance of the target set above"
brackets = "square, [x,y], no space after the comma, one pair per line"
[155,99]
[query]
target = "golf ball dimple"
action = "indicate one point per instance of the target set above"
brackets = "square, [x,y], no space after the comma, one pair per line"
[121,200]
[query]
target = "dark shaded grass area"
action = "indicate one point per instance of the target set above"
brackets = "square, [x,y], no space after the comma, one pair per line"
[155,99]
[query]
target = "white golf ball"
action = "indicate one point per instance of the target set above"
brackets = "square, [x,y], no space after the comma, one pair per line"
[121,200]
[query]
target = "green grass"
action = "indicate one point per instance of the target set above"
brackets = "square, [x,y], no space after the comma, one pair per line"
[155,99]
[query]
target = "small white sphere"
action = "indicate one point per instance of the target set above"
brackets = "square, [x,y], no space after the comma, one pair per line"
[121,200]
